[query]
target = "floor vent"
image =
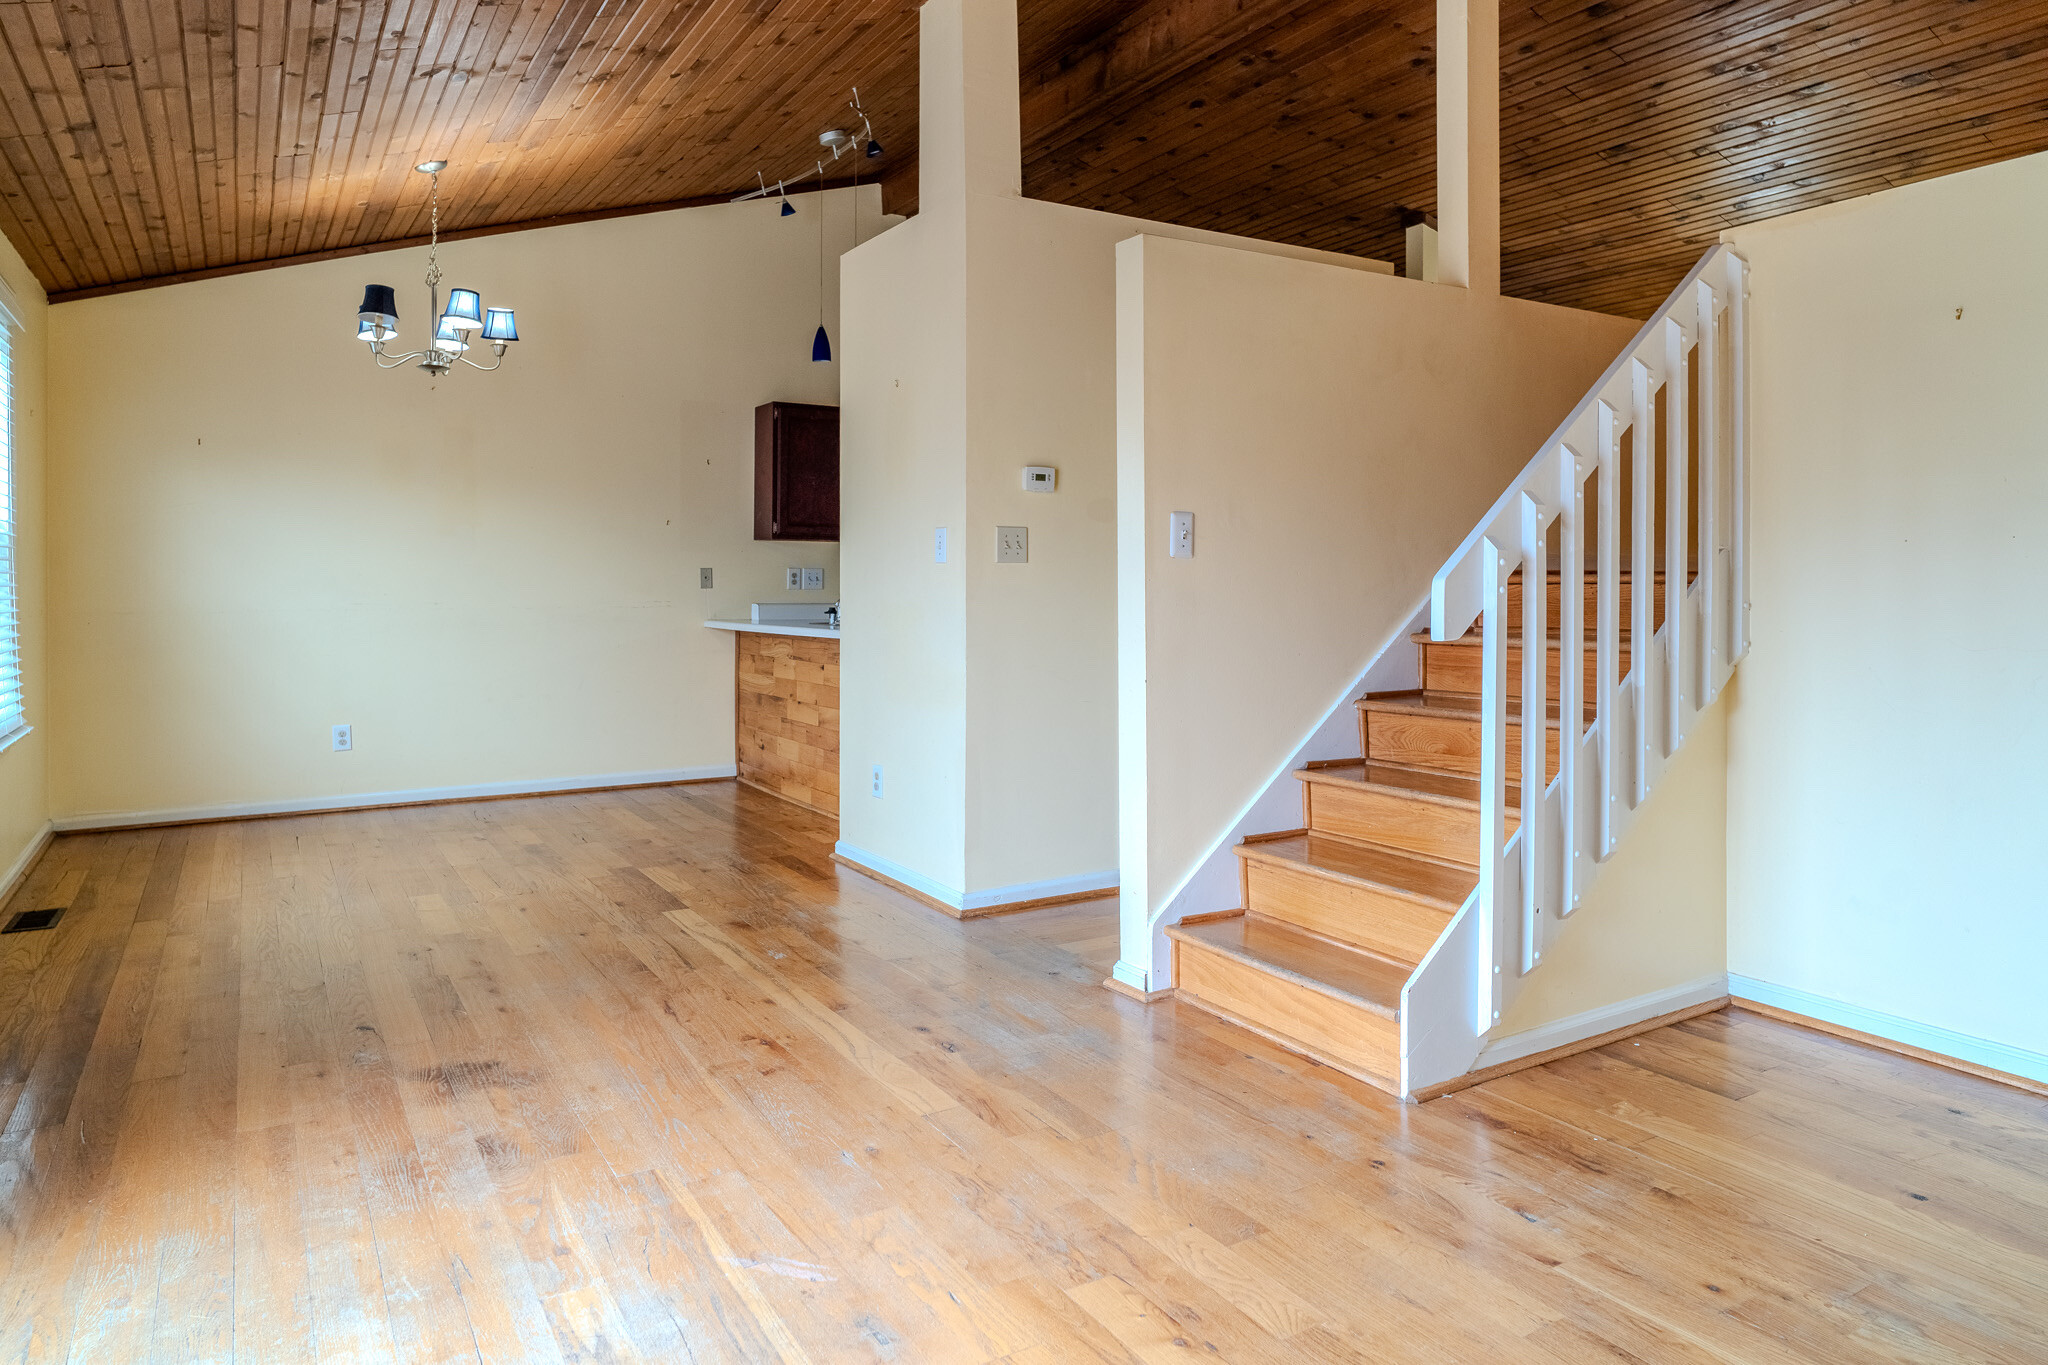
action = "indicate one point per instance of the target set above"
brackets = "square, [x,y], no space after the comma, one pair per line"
[33,919]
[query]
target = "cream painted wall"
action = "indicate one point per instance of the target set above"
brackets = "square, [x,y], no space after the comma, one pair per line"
[256,535]
[1657,917]
[1335,433]
[982,338]
[24,782]
[1886,809]
[903,663]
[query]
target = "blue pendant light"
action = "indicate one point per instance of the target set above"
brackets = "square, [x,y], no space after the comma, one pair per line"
[821,345]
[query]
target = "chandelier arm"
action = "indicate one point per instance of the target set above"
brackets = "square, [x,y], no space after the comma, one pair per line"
[396,361]
[485,368]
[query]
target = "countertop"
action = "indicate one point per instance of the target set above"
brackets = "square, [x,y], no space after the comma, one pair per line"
[814,630]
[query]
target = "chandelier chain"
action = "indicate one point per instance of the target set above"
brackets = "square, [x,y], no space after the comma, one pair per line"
[434,235]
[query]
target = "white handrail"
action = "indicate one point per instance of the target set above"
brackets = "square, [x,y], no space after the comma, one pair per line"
[1677,393]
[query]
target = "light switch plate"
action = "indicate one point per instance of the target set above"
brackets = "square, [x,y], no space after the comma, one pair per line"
[1040,478]
[1180,535]
[1010,545]
[814,580]
[938,545]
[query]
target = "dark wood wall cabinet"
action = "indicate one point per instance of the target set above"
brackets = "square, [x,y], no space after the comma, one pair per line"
[796,472]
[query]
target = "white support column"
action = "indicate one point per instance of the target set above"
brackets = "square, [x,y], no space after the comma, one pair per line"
[1468,144]
[968,120]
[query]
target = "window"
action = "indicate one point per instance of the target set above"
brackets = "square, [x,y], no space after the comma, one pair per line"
[12,718]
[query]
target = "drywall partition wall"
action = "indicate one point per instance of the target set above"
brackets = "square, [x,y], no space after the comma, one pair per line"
[1335,433]
[903,663]
[1886,808]
[24,782]
[493,578]
[982,338]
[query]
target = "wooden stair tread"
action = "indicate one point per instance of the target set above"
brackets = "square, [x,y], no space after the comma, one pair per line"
[1383,869]
[1449,788]
[1350,974]
[1475,639]
[1450,705]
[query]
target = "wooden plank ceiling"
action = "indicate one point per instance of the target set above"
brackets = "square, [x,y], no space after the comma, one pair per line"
[147,138]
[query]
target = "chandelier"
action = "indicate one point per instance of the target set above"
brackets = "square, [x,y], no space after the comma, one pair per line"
[377,320]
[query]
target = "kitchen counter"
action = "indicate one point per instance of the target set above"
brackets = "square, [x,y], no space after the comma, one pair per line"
[815,630]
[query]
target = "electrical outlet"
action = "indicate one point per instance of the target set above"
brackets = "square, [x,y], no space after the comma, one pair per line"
[1180,535]
[939,545]
[793,580]
[1010,545]
[877,784]
[344,738]
[703,578]
[814,580]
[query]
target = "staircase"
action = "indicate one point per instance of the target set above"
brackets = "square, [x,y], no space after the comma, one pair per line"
[1385,935]
[1339,913]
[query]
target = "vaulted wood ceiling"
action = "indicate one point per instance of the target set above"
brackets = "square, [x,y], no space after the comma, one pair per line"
[149,138]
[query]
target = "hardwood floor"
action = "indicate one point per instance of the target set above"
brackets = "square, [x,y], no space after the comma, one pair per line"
[643,1075]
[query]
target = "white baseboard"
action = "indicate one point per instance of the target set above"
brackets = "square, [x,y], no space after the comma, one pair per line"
[1984,1052]
[17,872]
[1577,1028]
[313,805]
[1081,885]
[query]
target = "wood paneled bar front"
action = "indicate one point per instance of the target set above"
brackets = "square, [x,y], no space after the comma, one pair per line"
[787,726]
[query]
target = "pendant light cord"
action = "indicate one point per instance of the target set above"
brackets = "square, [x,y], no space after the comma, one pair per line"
[821,244]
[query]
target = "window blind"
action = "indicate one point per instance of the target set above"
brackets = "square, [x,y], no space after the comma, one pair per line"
[12,717]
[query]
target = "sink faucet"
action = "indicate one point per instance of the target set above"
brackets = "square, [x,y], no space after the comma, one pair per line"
[832,616]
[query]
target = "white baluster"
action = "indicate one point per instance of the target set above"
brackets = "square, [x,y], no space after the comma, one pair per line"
[1535,667]
[1677,528]
[1571,669]
[1707,333]
[1607,626]
[1642,652]
[1494,571]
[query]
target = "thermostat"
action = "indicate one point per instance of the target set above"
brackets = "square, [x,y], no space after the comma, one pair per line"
[1040,478]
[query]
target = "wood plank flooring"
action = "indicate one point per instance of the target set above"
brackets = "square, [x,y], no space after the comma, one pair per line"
[644,1076]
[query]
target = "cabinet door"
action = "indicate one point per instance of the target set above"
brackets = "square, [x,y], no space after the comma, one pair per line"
[796,485]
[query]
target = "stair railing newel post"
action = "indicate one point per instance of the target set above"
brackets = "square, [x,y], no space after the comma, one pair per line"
[1737,288]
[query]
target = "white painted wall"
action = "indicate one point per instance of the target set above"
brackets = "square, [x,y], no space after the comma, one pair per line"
[1886,806]
[256,535]
[982,338]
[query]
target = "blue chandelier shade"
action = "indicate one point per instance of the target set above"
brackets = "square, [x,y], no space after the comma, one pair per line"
[449,337]
[499,325]
[465,309]
[821,345]
[380,307]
